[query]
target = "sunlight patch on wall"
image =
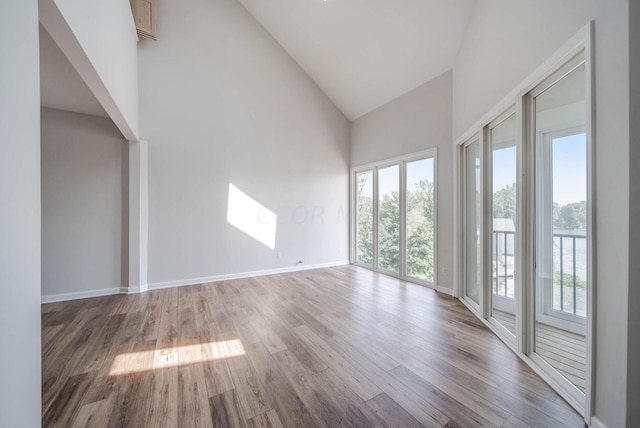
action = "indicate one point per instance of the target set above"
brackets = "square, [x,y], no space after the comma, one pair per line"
[251,217]
[135,362]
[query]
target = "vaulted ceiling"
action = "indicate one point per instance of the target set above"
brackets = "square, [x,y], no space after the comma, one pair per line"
[361,53]
[364,53]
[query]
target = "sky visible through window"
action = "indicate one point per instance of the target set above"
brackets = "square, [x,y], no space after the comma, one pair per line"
[388,179]
[569,168]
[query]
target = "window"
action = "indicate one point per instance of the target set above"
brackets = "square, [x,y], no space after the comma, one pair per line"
[525,202]
[364,217]
[400,195]
[561,232]
[503,163]
[472,221]
[420,217]
[389,218]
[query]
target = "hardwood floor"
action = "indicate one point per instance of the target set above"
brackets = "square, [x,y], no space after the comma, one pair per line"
[330,347]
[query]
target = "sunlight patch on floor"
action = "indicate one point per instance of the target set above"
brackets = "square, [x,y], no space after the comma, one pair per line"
[135,362]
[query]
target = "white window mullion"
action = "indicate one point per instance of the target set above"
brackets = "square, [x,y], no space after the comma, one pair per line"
[402,258]
[486,248]
[375,219]
[522,212]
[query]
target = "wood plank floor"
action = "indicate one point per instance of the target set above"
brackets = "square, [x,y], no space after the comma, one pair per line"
[330,347]
[563,350]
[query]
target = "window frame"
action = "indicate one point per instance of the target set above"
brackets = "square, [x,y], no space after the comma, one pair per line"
[401,162]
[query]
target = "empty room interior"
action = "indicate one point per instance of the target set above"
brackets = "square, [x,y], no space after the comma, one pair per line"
[250,213]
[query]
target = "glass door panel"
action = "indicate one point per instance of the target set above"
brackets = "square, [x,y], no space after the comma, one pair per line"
[561,227]
[473,219]
[420,219]
[364,217]
[389,218]
[503,233]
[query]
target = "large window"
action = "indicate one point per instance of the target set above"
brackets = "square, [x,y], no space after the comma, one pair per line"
[472,221]
[389,218]
[395,203]
[502,143]
[524,218]
[420,218]
[561,232]
[364,217]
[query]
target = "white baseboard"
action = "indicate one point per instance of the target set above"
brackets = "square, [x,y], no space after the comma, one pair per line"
[51,298]
[63,297]
[445,290]
[180,283]
[596,423]
[134,290]
[217,278]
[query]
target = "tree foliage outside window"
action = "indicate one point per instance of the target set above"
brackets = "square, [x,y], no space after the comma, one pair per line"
[364,221]
[419,223]
[572,216]
[504,202]
[389,232]
[420,231]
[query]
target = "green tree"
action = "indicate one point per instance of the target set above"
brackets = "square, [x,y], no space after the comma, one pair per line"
[364,223]
[389,231]
[571,216]
[504,202]
[420,231]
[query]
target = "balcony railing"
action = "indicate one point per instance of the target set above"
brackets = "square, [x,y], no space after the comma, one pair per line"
[570,273]
[569,267]
[503,279]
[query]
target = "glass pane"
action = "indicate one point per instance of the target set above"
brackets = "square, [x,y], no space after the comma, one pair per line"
[473,216]
[420,219]
[389,218]
[503,236]
[569,158]
[561,226]
[364,217]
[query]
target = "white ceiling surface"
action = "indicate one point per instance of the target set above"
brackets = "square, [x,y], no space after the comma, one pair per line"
[60,84]
[364,53]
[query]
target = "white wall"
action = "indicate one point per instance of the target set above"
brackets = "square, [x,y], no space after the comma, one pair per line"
[505,42]
[417,120]
[99,39]
[633,344]
[20,215]
[81,205]
[222,103]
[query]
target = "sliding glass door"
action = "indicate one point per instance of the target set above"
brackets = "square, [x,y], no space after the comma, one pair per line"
[472,207]
[502,144]
[525,203]
[395,202]
[561,232]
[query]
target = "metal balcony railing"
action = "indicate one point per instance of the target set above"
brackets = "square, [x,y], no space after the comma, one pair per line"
[569,266]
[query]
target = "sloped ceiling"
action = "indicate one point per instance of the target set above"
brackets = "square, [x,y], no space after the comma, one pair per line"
[364,53]
[61,87]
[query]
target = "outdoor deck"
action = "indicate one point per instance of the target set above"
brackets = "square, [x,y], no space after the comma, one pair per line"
[564,350]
